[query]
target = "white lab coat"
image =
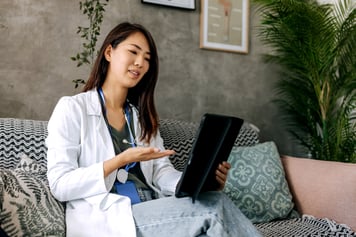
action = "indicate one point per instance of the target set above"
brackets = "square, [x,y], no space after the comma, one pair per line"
[78,143]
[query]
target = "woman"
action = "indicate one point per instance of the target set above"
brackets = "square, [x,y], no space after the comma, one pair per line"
[104,145]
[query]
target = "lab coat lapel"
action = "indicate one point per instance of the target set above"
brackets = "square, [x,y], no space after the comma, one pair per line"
[94,109]
[99,215]
[105,137]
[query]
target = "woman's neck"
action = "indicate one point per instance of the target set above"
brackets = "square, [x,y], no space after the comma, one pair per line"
[115,97]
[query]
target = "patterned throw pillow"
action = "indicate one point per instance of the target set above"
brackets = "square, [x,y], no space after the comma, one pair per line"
[256,183]
[27,206]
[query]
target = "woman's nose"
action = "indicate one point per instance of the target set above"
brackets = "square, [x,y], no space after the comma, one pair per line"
[139,61]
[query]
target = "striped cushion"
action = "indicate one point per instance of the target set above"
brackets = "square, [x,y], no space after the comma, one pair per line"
[179,136]
[28,137]
[305,226]
[22,136]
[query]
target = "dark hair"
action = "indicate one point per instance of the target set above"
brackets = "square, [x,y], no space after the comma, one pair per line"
[142,95]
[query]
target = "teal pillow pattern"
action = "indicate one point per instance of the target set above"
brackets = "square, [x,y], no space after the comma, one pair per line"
[256,183]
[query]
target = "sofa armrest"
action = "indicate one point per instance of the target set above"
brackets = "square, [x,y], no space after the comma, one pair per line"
[324,189]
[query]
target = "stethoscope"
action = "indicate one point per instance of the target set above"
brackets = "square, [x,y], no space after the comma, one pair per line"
[122,173]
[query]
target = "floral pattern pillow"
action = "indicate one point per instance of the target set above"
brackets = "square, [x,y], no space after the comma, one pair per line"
[256,183]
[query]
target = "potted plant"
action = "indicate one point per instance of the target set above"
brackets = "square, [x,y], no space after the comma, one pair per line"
[94,10]
[315,46]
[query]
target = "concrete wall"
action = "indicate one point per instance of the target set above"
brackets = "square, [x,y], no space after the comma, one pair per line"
[37,39]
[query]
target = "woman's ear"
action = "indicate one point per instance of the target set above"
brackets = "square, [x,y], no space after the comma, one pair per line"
[107,53]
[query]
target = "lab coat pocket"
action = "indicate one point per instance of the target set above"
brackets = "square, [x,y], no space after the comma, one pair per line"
[90,219]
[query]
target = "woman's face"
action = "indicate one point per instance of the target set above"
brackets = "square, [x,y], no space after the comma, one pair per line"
[129,61]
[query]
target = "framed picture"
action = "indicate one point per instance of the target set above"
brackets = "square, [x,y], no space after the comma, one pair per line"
[185,4]
[224,25]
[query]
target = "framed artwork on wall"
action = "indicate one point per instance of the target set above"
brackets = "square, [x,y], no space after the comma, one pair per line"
[224,25]
[185,4]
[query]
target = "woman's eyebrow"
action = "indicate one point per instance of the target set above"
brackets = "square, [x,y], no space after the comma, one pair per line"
[138,47]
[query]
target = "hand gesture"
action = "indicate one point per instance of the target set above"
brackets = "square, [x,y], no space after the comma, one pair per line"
[137,154]
[134,154]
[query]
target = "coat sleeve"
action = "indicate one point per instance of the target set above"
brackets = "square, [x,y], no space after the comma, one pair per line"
[67,179]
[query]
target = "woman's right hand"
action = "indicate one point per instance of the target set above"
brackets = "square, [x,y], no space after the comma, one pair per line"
[137,154]
[134,154]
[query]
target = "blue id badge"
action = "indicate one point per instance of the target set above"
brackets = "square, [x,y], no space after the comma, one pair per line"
[128,189]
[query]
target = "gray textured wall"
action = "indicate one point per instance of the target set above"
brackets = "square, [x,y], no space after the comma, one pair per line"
[38,37]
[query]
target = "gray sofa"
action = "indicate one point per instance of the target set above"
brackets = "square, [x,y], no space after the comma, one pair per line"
[28,209]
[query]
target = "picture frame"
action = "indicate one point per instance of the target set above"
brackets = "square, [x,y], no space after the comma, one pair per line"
[224,25]
[183,4]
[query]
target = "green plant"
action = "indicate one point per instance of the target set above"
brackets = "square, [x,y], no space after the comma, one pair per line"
[94,10]
[315,46]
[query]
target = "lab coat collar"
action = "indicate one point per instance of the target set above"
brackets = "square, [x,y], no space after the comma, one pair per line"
[94,106]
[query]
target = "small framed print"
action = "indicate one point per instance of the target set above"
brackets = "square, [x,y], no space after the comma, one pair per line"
[185,4]
[224,25]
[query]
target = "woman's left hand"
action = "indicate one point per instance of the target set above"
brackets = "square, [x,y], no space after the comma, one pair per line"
[221,174]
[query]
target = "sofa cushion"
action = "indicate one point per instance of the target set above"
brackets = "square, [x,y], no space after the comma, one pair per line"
[180,135]
[27,206]
[22,136]
[332,193]
[304,226]
[256,183]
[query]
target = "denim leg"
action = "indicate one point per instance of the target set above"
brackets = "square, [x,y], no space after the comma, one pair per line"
[213,214]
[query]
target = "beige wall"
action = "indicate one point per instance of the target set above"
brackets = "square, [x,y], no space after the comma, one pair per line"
[38,37]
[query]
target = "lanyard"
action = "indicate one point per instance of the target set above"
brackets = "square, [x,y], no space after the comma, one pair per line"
[127,118]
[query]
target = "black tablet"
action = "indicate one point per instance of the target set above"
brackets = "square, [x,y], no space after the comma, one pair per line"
[212,145]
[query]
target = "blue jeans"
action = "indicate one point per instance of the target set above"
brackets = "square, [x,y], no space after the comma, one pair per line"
[213,214]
